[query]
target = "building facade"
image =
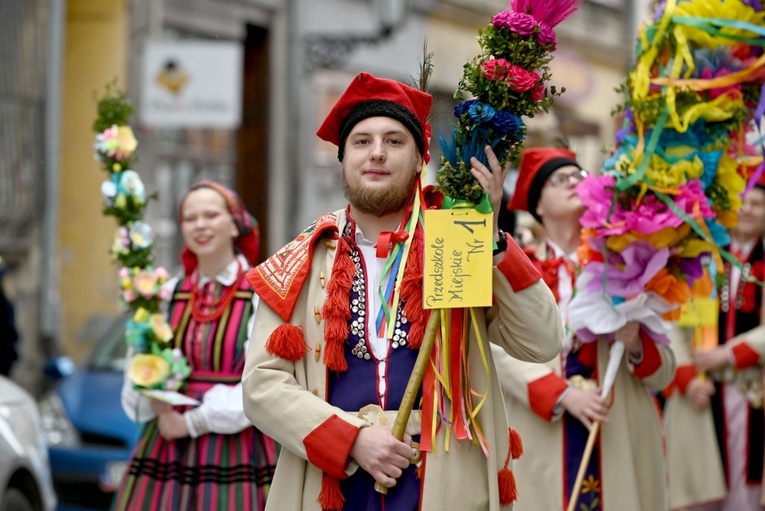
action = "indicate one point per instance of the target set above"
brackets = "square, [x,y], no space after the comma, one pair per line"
[297,58]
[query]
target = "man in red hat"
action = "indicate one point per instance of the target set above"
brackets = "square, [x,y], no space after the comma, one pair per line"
[720,466]
[325,379]
[554,405]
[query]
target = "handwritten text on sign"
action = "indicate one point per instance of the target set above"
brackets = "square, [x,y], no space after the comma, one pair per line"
[458,255]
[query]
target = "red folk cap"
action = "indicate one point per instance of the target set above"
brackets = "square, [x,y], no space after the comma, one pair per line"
[365,87]
[537,163]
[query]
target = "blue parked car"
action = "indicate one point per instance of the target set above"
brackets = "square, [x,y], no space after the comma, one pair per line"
[89,437]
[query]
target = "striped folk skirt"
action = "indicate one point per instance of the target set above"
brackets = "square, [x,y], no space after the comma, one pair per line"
[207,473]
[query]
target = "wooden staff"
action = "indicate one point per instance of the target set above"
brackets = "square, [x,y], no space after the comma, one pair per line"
[415,380]
[614,359]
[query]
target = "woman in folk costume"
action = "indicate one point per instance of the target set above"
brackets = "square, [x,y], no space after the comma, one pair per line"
[715,423]
[323,378]
[208,456]
[553,405]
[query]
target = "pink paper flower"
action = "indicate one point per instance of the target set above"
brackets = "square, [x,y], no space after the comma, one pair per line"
[648,216]
[707,74]
[164,293]
[518,22]
[546,36]
[539,93]
[519,79]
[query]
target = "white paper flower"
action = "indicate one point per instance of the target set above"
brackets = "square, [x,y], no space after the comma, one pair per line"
[141,235]
[108,190]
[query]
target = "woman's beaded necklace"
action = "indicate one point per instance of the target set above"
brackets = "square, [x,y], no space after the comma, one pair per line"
[206,311]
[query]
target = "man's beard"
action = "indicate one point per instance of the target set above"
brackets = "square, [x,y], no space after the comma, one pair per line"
[376,201]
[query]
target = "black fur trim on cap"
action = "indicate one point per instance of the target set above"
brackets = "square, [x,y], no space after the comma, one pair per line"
[545,171]
[380,108]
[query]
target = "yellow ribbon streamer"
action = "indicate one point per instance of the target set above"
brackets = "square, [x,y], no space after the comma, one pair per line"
[699,84]
[644,65]
[404,258]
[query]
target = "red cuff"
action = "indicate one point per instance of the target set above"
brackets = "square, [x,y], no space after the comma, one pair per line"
[651,358]
[329,445]
[544,393]
[683,376]
[744,356]
[517,267]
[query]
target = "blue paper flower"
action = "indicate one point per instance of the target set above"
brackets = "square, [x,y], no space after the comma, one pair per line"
[481,112]
[463,107]
[506,122]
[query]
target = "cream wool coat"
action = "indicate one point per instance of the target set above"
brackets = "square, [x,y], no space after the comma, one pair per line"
[696,474]
[285,399]
[633,470]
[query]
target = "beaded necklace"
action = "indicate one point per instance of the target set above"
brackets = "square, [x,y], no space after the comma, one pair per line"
[199,304]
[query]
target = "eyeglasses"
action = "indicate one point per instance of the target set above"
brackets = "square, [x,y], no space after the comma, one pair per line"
[564,178]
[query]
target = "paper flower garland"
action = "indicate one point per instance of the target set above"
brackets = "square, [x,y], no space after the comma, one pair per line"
[506,82]
[658,213]
[155,364]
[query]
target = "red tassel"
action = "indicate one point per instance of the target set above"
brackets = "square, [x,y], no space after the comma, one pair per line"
[508,491]
[516,444]
[287,342]
[334,358]
[336,310]
[416,334]
[331,497]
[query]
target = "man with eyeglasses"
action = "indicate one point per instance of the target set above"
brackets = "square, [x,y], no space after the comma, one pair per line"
[553,405]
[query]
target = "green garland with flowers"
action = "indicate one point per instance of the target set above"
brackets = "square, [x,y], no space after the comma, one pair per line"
[506,82]
[155,364]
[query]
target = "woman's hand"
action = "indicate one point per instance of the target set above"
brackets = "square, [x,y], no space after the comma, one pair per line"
[160,407]
[172,426]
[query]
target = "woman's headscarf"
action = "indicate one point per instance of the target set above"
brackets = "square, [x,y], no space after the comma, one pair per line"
[248,241]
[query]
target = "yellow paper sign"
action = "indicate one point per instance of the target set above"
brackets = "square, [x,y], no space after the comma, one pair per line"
[458,258]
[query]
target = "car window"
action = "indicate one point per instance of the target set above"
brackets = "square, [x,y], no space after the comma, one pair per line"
[110,351]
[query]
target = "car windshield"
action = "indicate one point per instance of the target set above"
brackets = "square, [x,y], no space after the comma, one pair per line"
[110,351]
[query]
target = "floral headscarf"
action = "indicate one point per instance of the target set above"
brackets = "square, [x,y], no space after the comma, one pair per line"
[248,241]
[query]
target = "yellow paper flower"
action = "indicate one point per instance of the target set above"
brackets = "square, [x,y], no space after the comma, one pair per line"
[693,168]
[126,142]
[145,284]
[663,175]
[693,247]
[146,370]
[141,315]
[161,329]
